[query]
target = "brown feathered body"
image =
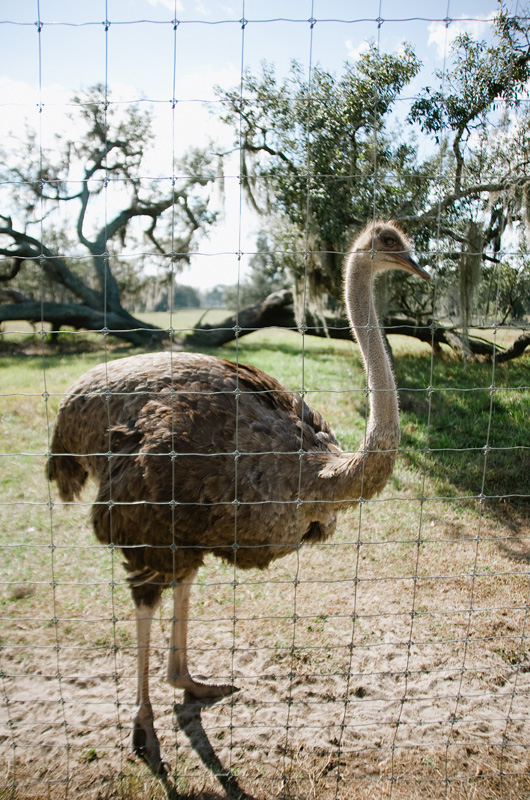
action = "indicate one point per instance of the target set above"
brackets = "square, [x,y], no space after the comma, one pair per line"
[194,454]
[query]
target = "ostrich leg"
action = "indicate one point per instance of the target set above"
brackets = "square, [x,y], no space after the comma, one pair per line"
[144,739]
[177,669]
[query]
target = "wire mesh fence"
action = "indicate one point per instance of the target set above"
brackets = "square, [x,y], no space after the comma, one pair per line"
[390,659]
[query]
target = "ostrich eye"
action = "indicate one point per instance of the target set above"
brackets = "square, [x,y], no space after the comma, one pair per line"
[389,241]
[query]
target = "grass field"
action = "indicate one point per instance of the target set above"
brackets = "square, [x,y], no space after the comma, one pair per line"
[392,661]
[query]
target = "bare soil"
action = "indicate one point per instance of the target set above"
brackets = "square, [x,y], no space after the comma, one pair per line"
[380,665]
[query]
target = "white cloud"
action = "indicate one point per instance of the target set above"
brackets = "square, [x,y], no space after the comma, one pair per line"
[442,37]
[202,9]
[169,4]
[354,51]
[23,105]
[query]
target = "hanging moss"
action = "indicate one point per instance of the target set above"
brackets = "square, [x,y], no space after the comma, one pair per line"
[470,272]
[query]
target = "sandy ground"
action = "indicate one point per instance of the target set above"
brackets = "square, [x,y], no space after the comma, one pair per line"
[397,715]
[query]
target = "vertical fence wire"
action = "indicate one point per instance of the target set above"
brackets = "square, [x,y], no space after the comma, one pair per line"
[174,443]
[370,324]
[438,258]
[64,778]
[431,367]
[309,177]
[115,578]
[523,635]
[237,390]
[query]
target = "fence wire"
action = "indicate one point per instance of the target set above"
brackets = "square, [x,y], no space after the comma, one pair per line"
[391,660]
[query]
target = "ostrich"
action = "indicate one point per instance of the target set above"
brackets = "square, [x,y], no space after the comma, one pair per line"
[193,455]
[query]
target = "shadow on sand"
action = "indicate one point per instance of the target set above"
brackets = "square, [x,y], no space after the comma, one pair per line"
[188,719]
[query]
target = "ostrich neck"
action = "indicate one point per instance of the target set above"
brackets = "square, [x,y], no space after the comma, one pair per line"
[346,477]
[383,424]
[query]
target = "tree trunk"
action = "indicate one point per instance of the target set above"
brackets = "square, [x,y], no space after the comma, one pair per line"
[470,265]
[81,316]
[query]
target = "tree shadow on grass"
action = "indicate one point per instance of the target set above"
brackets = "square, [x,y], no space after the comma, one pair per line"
[466,427]
[35,353]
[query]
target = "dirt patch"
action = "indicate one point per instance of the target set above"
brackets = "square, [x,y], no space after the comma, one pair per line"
[387,679]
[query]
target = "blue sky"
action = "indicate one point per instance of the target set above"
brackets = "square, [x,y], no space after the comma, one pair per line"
[141,55]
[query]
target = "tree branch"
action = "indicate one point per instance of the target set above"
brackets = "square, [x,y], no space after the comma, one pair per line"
[5,277]
[83,317]
[32,250]
[516,349]
[253,148]
[467,191]
[84,194]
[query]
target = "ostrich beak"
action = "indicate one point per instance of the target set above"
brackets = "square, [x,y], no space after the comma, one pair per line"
[408,263]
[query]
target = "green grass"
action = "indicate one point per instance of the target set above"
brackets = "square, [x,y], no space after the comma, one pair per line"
[185,319]
[474,422]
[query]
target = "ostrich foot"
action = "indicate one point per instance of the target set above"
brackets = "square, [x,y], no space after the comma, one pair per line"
[145,744]
[200,690]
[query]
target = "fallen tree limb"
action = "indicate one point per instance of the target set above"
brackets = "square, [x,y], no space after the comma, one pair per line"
[516,349]
[82,316]
[277,310]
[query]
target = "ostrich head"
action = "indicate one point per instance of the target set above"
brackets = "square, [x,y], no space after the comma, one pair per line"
[382,246]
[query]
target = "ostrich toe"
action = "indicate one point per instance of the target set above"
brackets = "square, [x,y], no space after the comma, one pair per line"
[145,745]
[199,689]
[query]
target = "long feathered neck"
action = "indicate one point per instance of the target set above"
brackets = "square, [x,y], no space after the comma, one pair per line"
[383,423]
[348,477]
